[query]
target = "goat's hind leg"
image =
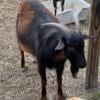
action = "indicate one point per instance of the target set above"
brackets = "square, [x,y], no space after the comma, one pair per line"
[22,56]
[22,59]
[24,68]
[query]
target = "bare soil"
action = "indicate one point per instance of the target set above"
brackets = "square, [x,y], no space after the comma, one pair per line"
[18,85]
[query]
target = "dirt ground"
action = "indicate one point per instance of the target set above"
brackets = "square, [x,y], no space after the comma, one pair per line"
[18,85]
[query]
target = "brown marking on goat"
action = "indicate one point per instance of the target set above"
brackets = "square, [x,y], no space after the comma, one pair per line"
[25,17]
[60,56]
[24,6]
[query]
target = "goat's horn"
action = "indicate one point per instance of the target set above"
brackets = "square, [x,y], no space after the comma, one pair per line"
[89,36]
[77,23]
[57,26]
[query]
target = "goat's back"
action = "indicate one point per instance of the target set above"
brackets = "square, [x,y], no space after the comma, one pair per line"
[30,16]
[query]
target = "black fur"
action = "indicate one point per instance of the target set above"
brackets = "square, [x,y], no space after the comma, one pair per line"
[43,41]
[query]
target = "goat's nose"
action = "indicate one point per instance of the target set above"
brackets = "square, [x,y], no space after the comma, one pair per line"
[83,64]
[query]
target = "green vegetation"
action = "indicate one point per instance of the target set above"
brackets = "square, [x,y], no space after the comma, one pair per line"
[96,96]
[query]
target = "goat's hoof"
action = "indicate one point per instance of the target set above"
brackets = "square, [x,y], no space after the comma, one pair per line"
[43,98]
[24,69]
[34,61]
[75,75]
[60,97]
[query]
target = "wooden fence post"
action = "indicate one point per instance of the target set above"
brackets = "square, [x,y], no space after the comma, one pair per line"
[94,47]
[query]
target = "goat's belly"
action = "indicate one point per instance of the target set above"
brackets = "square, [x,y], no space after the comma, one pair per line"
[51,65]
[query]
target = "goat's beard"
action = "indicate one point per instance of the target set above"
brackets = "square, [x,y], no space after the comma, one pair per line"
[74,71]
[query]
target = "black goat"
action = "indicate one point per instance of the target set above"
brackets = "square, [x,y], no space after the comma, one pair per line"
[40,33]
[55,5]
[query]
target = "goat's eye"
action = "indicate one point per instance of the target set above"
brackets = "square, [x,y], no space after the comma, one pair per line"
[70,48]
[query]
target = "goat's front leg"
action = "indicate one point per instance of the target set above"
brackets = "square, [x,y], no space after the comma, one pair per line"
[59,82]
[62,5]
[55,7]
[42,72]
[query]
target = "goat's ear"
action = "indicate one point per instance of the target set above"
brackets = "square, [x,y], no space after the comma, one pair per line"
[60,45]
[89,36]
